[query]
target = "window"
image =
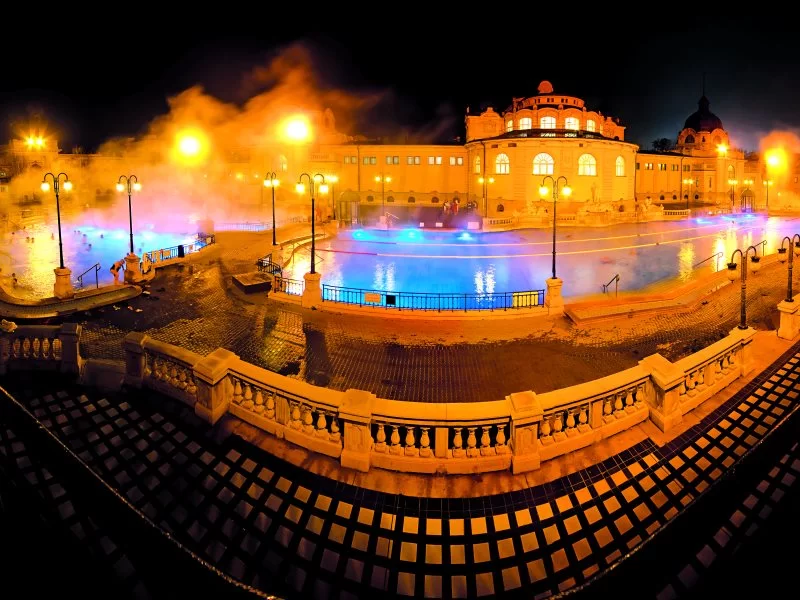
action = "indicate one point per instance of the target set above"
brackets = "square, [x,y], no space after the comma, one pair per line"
[638,166]
[662,166]
[459,160]
[365,160]
[284,164]
[591,125]
[543,164]
[525,123]
[587,165]
[388,160]
[431,160]
[689,139]
[395,160]
[438,160]
[477,165]
[452,161]
[502,166]
[571,123]
[648,166]
[674,167]
[509,125]
[373,160]
[412,160]
[347,160]
[619,166]
[547,123]
[687,167]
[390,199]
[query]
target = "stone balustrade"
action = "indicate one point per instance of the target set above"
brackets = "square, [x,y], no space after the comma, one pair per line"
[45,347]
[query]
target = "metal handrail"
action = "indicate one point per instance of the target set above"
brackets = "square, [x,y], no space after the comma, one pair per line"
[615,278]
[763,244]
[96,268]
[717,255]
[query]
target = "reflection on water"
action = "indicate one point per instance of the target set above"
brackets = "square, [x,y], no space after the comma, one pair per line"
[481,263]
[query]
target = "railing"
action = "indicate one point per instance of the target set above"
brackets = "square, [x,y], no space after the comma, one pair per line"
[714,256]
[677,213]
[500,221]
[154,257]
[95,267]
[433,301]
[362,430]
[293,287]
[265,265]
[552,133]
[41,347]
[615,281]
[259,225]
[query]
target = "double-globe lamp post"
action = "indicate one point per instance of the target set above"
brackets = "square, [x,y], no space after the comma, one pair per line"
[786,253]
[131,183]
[688,182]
[323,189]
[755,266]
[543,191]
[271,181]
[56,188]
[383,180]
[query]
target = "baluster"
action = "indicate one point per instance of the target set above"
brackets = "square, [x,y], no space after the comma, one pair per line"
[583,418]
[57,349]
[15,348]
[380,446]
[558,426]
[486,441]
[394,438]
[458,442]
[322,425]
[237,391]
[500,440]
[181,382]
[546,429]
[411,442]
[472,442]
[570,419]
[336,434]
[191,388]
[639,398]
[692,384]
[294,416]
[26,348]
[173,375]
[270,412]
[259,402]
[618,404]
[36,347]
[425,443]
[607,408]
[46,349]
[308,420]
[629,399]
[701,377]
[682,390]
[248,397]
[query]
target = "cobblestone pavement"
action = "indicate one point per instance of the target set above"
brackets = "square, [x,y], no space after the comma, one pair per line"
[195,306]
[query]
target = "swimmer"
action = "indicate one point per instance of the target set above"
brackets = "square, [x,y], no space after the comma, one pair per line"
[89,247]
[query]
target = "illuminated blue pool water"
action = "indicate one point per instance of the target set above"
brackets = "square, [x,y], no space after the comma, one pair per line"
[414,260]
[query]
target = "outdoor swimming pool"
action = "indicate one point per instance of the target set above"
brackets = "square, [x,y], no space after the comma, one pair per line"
[414,260]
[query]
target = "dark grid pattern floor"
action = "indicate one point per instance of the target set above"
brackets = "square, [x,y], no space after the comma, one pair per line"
[297,534]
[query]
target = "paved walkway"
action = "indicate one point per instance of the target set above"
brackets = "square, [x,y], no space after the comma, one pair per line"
[197,307]
[288,531]
[15,308]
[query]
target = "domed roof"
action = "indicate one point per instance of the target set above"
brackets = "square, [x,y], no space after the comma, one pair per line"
[703,119]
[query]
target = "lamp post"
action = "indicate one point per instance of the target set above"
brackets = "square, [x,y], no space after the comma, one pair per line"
[783,255]
[383,180]
[747,183]
[688,182]
[323,188]
[767,184]
[333,179]
[543,190]
[271,181]
[485,181]
[755,265]
[56,186]
[132,183]
[732,183]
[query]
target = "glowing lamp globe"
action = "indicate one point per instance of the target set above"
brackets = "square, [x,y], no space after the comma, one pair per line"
[543,191]
[137,187]
[782,255]
[323,188]
[120,187]
[267,183]
[797,248]
[45,186]
[567,191]
[67,186]
[732,272]
[300,188]
[755,264]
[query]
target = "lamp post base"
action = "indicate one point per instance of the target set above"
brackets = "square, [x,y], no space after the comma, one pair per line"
[553,299]
[789,327]
[312,292]
[133,270]
[63,289]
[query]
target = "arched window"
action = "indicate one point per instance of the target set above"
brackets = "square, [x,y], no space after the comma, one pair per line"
[543,164]
[477,167]
[283,165]
[591,125]
[731,171]
[390,198]
[525,123]
[571,123]
[547,123]
[587,165]
[689,139]
[502,166]
[619,166]
[509,125]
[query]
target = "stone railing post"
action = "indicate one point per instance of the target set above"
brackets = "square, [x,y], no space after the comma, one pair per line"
[526,414]
[133,345]
[790,320]
[211,377]
[745,353]
[70,336]
[5,345]
[356,414]
[665,411]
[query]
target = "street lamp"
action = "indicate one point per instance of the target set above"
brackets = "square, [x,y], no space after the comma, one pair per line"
[383,180]
[132,183]
[783,255]
[333,179]
[543,191]
[767,184]
[755,265]
[67,187]
[747,183]
[732,183]
[271,181]
[323,189]
[688,182]
[485,181]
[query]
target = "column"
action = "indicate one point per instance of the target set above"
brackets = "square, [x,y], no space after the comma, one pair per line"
[70,336]
[356,414]
[312,292]
[526,414]
[213,386]
[790,319]
[63,287]
[133,345]
[553,299]
[665,410]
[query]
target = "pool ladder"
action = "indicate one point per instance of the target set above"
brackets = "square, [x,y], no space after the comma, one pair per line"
[614,280]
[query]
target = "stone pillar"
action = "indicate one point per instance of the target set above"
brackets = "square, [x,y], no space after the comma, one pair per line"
[213,386]
[63,287]
[356,414]
[790,320]
[665,410]
[745,358]
[312,293]
[133,271]
[526,414]
[5,349]
[553,299]
[70,336]
[133,345]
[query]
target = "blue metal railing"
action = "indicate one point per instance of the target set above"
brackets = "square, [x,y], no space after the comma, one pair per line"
[156,256]
[433,301]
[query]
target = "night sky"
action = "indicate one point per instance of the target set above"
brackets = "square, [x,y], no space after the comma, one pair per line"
[99,83]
